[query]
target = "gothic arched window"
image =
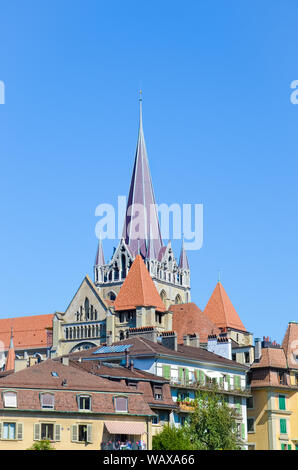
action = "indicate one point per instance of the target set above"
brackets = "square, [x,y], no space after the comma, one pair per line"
[86,306]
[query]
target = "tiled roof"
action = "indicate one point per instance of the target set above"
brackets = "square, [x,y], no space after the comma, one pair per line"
[29,382]
[271,357]
[290,345]
[189,319]
[138,289]
[144,379]
[40,376]
[221,310]
[144,347]
[29,332]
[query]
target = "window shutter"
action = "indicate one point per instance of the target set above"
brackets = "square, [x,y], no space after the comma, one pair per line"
[290,447]
[282,402]
[89,433]
[19,431]
[243,431]
[0,430]
[166,371]
[236,381]
[186,375]
[202,377]
[282,446]
[221,382]
[10,399]
[283,426]
[74,433]
[36,436]
[228,381]
[57,432]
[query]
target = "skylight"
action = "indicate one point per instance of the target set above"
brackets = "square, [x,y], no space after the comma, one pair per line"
[55,374]
[113,349]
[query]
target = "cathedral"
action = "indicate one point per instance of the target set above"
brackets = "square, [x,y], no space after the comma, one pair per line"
[96,314]
[143,290]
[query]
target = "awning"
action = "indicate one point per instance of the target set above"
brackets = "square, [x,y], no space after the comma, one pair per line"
[213,375]
[133,428]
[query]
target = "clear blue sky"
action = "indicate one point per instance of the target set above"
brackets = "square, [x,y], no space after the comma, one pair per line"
[219,126]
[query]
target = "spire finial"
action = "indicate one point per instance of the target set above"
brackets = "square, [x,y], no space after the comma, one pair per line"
[219,276]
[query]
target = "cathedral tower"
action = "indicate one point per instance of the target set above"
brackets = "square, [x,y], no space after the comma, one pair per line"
[171,278]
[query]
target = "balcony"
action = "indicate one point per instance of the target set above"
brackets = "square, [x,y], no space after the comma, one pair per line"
[225,388]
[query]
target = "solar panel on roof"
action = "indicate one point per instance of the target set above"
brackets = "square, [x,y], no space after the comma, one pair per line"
[112,349]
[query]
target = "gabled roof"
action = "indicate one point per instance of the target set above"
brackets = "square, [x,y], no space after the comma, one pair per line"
[29,332]
[141,195]
[189,319]
[290,344]
[221,311]
[138,289]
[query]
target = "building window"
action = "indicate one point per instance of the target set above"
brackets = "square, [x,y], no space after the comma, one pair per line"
[121,404]
[81,433]
[246,357]
[158,317]
[9,431]
[155,419]
[233,357]
[250,403]
[84,403]
[10,399]
[47,401]
[121,317]
[47,431]
[282,378]
[157,392]
[283,426]
[133,385]
[250,425]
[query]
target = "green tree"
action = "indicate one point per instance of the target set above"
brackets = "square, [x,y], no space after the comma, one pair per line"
[212,425]
[41,445]
[172,438]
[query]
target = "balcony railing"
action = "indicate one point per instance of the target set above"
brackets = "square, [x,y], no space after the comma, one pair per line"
[222,388]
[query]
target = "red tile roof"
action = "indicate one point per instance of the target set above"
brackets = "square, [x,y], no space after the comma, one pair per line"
[189,319]
[9,364]
[138,289]
[221,310]
[29,332]
[271,357]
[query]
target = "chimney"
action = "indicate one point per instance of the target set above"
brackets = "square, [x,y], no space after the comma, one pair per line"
[131,365]
[146,332]
[221,346]
[212,342]
[258,349]
[169,340]
[65,361]
[32,361]
[194,340]
[126,358]
[186,340]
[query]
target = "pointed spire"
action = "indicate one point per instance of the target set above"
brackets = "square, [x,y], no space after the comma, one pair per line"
[183,261]
[9,365]
[141,211]
[99,259]
[221,310]
[150,248]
